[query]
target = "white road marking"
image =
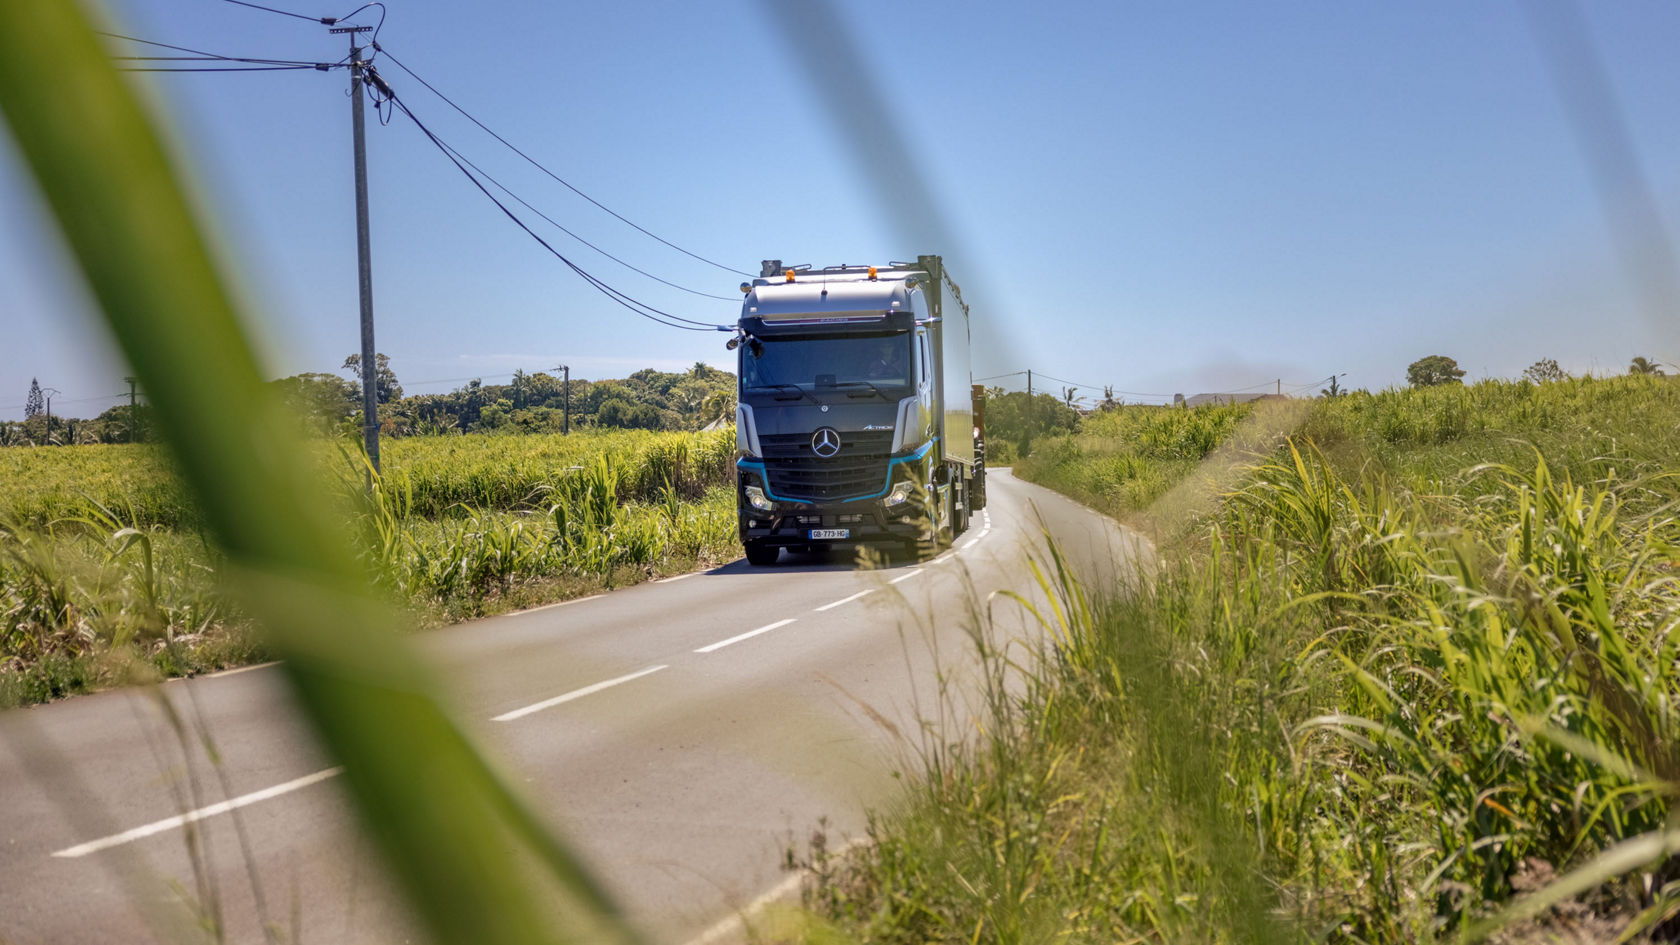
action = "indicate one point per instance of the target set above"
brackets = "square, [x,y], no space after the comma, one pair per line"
[561,603]
[906,575]
[732,926]
[180,820]
[680,577]
[228,672]
[844,600]
[745,636]
[574,694]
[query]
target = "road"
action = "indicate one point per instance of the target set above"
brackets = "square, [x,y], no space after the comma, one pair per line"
[684,734]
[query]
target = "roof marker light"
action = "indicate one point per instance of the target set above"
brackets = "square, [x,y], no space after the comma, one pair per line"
[790,275]
[872,274]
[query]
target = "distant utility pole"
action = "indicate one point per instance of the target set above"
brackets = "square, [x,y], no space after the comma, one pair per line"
[364,256]
[133,437]
[1026,447]
[48,393]
[566,373]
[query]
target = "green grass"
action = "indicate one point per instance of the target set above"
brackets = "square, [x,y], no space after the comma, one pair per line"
[106,578]
[1121,461]
[41,485]
[1374,694]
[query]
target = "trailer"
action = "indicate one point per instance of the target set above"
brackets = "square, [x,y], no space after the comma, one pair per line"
[855,423]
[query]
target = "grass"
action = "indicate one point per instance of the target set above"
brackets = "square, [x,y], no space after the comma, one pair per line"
[1414,677]
[1121,461]
[102,562]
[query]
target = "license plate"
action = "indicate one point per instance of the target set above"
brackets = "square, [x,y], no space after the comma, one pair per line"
[830,533]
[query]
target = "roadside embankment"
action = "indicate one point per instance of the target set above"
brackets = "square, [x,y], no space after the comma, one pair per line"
[107,574]
[1409,668]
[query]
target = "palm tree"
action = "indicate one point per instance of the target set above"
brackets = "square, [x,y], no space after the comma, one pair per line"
[1642,365]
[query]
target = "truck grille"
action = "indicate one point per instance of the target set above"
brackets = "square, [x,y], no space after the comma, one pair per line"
[859,469]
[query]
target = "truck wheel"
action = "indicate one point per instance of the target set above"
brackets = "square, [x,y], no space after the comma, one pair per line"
[946,531]
[761,555]
[959,520]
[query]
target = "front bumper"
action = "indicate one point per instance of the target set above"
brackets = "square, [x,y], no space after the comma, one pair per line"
[866,519]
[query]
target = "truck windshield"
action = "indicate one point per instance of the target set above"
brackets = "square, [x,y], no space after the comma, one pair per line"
[868,363]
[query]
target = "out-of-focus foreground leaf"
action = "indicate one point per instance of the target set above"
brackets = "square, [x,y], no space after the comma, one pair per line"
[458,841]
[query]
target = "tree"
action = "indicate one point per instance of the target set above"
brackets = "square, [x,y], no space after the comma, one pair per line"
[385,386]
[617,412]
[1334,390]
[33,405]
[1543,370]
[323,401]
[1433,371]
[1642,365]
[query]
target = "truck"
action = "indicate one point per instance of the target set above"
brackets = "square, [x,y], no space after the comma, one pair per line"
[855,417]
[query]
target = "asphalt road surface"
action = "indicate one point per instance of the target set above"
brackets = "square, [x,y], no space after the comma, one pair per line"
[684,734]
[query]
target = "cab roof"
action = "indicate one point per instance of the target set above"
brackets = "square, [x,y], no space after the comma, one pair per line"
[831,293]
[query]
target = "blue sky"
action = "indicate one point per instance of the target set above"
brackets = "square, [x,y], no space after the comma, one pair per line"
[1161,197]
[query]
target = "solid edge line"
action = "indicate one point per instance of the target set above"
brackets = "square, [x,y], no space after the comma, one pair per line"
[906,576]
[736,922]
[745,636]
[843,600]
[180,820]
[558,603]
[574,694]
[228,672]
[680,577]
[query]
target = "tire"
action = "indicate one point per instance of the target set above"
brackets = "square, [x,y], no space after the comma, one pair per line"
[760,555]
[960,517]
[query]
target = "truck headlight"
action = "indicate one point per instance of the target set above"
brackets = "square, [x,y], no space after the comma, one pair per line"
[900,493]
[758,500]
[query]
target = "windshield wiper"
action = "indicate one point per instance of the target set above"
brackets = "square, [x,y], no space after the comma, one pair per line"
[873,390]
[798,392]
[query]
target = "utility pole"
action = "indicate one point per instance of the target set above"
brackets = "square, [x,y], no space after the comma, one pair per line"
[566,373]
[133,423]
[364,256]
[1027,446]
[48,392]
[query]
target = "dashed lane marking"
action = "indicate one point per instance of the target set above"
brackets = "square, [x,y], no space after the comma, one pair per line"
[745,636]
[574,694]
[181,820]
[844,600]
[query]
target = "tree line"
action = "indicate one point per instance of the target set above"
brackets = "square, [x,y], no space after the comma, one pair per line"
[531,403]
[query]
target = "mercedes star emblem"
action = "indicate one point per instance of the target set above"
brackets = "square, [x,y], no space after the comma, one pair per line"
[825,442]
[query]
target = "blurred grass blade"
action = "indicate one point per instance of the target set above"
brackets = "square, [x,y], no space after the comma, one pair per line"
[448,827]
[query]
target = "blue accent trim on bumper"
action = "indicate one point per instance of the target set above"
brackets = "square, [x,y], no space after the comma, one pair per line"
[916,457]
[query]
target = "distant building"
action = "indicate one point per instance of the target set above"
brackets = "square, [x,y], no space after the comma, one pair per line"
[1201,400]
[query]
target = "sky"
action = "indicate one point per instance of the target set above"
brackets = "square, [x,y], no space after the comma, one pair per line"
[1162,198]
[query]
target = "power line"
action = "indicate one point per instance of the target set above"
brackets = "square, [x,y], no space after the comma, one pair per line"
[206,55]
[322,67]
[82,400]
[534,163]
[324,20]
[640,308]
[503,188]
[1129,393]
[374,39]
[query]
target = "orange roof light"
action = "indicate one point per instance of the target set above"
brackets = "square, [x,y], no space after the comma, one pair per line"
[871,273]
[790,275]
